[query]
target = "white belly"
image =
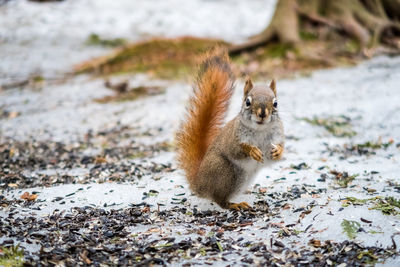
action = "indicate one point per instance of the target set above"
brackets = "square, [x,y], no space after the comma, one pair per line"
[249,165]
[250,168]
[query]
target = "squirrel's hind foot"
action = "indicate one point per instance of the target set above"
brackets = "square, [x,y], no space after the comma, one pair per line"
[239,206]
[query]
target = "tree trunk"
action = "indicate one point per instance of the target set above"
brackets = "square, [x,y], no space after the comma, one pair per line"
[370,22]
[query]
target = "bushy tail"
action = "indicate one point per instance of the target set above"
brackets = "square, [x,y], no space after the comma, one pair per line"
[206,111]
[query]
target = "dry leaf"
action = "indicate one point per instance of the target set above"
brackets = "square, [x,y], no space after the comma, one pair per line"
[13,114]
[100,160]
[315,243]
[85,258]
[146,209]
[262,190]
[28,197]
[201,232]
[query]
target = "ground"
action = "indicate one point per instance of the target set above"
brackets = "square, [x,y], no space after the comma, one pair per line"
[103,186]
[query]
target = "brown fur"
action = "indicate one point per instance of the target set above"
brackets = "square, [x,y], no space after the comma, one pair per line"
[248,86]
[217,178]
[273,86]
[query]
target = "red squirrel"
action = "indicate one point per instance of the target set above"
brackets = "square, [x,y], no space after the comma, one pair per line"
[219,160]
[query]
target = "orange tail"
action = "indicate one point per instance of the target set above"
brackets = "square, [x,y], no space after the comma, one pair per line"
[206,111]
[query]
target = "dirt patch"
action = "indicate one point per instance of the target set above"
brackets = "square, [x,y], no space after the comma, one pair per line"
[163,58]
[177,58]
[93,236]
[339,126]
[104,156]
[362,149]
[95,39]
[123,92]
[387,205]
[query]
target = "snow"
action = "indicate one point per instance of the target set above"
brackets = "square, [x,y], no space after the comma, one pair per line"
[303,97]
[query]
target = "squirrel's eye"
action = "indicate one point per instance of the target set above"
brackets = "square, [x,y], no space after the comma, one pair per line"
[248,101]
[275,103]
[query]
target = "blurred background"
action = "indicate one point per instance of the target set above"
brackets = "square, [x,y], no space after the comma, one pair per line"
[47,38]
[50,39]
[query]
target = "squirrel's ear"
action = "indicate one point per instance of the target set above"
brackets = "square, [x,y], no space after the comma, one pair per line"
[247,86]
[272,85]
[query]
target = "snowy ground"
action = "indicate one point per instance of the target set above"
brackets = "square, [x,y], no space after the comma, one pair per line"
[115,160]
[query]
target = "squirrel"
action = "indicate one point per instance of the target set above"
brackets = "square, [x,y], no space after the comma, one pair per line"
[220,160]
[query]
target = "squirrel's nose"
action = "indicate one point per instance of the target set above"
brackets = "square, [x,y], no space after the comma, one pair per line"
[262,113]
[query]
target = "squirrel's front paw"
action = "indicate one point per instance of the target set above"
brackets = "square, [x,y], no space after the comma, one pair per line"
[252,151]
[256,154]
[276,152]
